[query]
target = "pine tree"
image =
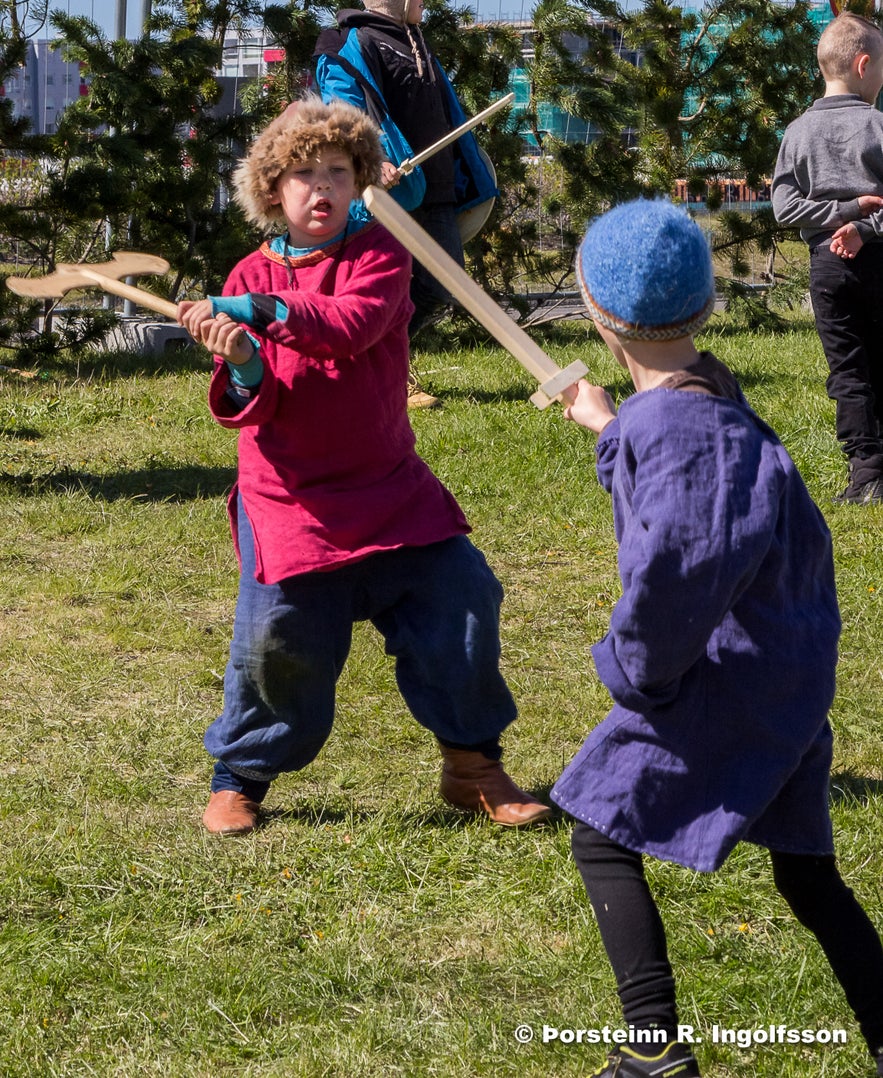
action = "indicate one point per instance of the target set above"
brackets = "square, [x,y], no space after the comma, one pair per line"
[292,29]
[716,86]
[150,149]
[32,222]
[669,95]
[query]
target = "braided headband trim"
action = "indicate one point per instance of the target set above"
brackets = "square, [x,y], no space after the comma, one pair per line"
[632,332]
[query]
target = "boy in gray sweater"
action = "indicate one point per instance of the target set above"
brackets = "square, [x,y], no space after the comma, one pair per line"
[828,182]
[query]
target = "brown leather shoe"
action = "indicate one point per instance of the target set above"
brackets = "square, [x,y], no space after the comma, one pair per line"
[419,398]
[417,395]
[230,813]
[471,781]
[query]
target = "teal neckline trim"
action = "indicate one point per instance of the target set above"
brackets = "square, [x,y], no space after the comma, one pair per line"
[355,223]
[280,246]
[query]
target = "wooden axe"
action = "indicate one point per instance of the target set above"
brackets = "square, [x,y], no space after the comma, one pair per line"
[553,380]
[104,275]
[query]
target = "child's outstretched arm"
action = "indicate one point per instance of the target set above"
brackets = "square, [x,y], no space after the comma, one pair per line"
[699,527]
[593,407]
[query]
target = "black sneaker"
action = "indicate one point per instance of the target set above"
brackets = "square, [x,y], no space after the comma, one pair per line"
[677,1061]
[870,493]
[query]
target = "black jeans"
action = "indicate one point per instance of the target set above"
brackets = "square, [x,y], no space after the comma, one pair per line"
[847,300]
[428,294]
[634,937]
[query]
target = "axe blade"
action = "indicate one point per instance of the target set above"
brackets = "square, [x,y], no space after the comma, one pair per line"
[52,286]
[70,275]
[122,264]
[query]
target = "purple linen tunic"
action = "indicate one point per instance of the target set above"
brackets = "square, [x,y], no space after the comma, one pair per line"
[721,652]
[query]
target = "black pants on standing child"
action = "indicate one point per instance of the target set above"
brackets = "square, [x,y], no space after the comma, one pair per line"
[847,299]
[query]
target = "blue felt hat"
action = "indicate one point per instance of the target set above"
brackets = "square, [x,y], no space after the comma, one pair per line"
[644,269]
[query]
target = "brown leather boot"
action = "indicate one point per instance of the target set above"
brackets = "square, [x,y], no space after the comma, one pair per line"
[419,398]
[471,781]
[230,813]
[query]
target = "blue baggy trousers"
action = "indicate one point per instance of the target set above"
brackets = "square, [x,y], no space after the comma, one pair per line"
[438,609]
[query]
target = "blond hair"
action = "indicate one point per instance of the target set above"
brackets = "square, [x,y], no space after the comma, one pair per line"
[300,132]
[842,40]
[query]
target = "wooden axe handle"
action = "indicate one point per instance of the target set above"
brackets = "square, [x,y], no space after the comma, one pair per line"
[553,381]
[127,291]
[410,163]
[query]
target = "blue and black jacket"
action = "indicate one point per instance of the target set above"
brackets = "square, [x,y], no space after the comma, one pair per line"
[347,68]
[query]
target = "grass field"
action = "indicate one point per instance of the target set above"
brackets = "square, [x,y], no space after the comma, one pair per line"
[365,931]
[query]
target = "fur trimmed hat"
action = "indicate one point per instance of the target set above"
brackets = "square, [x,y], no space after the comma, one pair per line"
[644,269]
[303,129]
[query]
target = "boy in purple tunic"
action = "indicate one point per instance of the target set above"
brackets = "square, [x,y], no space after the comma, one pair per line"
[721,652]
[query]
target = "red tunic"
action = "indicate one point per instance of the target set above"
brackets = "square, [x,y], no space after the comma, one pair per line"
[328,471]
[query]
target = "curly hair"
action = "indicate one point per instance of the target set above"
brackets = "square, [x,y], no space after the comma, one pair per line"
[303,129]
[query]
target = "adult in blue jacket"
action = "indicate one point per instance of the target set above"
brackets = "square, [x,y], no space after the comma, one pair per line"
[379,61]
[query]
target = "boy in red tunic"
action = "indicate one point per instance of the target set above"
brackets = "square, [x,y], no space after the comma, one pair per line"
[334,516]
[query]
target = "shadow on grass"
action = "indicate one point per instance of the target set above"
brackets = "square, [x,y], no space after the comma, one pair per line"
[318,814]
[108,366]
[751,379]
[735,327]
[462,332]
[24,434]
[510,395]
[846,787]
[148,484]
[440,816]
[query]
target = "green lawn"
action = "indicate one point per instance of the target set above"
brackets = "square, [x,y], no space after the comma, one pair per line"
[365,931]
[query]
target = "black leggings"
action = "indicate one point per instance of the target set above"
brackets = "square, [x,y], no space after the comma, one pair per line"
[634,937]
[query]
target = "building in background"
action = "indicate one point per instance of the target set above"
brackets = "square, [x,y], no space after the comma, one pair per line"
[46,85]
[557,122]
[552,120]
